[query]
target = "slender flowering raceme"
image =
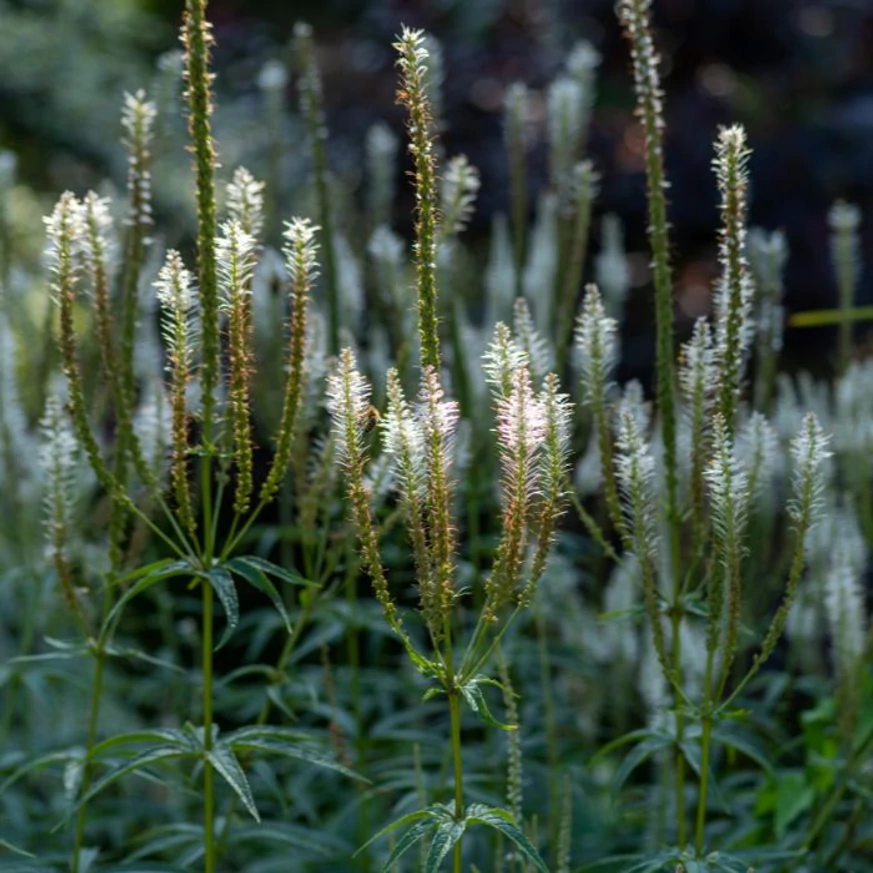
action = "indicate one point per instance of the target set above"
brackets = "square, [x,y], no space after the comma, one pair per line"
[65,231]
[735,290]
[596,349]
[245,201]
[197,41]
[539,354]
[348,400]
[175,291]
[554,461]
[301,253]
[809,455]
[521,432]
[413,94]
[96,247]
[635,473]
[503,357]
[59,462]
[697,380]
[439,418]
[138,119]
[235,260]
[460,186]
[768,254]
[584,184]
[404,442]
[635,18]
[729,496]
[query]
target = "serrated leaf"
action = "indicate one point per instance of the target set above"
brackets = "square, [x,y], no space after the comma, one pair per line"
[258,579]
[447,834]
[226,765]
[223,585]
[272,569]
[501,821]
[476,700]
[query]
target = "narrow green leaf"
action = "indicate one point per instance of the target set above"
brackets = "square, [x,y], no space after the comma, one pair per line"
[223,759]
[164,736]
[10,848]
[447,834]
[150,756]
[414,835]
[409,818]
[175,568]
[272,569]
[501,821]
[292,750]
[638,754]
[36,764]
[255,577]
[224,586]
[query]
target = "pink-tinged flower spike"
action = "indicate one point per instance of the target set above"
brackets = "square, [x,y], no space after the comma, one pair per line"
[348,400]
[245,201]
[735,291]
[521,432]
[413,94]
[597,352]
[235,260]
[635,473]
[301,261]
[404,442]
[554,471]
[175,291]
[439,418]
[729,496]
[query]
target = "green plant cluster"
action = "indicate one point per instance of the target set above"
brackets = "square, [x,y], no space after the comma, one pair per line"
[355,556]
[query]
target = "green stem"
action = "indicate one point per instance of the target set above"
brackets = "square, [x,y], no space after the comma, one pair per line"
[82,816]
[676,620]
[455,717]
[704,784]
[208,793]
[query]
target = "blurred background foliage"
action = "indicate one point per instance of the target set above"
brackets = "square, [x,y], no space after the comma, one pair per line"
[798,74]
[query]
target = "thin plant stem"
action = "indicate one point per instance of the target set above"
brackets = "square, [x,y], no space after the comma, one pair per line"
[93,719]
[209,845]
[455,718]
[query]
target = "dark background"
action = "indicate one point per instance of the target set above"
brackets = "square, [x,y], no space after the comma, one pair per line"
[798,74]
